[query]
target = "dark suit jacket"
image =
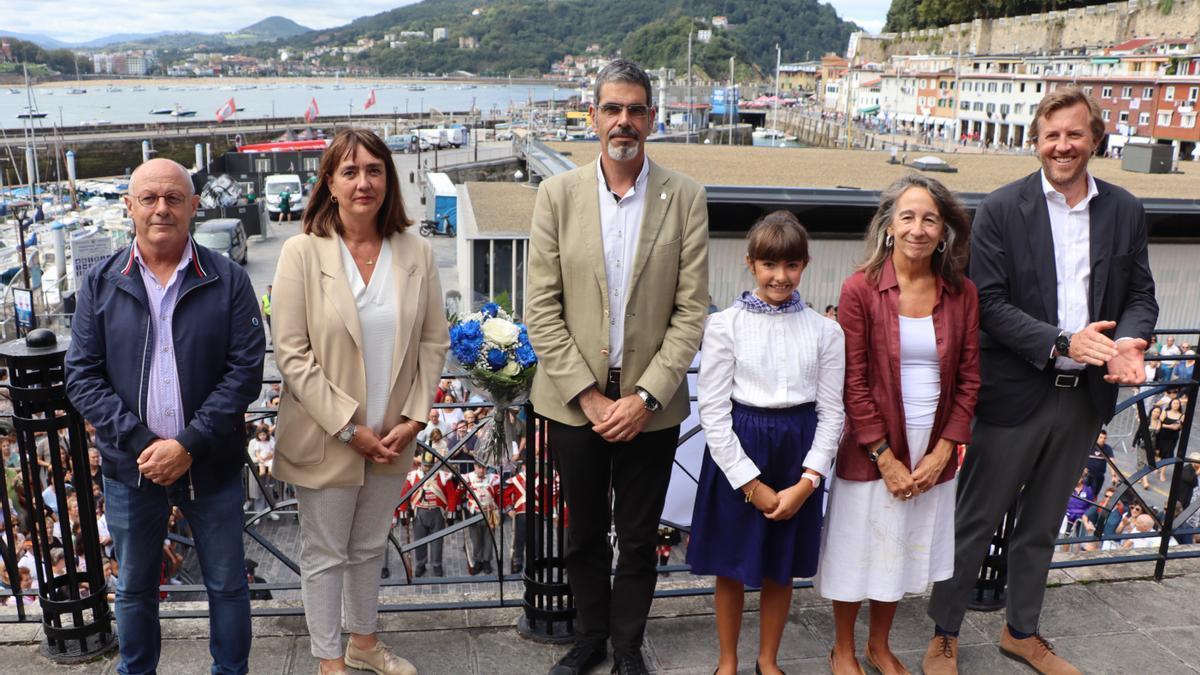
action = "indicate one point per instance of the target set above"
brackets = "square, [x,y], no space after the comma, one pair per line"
[1012,265]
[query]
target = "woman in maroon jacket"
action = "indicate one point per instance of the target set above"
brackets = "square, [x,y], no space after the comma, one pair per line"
[911,321]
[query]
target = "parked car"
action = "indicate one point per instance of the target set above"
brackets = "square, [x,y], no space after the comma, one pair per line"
[225,236]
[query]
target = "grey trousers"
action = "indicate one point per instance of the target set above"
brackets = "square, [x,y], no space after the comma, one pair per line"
[425,523]
[1035,464]
[479,537]
[343,532]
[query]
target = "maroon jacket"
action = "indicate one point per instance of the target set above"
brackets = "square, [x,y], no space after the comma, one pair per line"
[869,315]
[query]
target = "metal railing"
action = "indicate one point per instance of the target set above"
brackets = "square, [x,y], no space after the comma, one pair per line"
[541,587]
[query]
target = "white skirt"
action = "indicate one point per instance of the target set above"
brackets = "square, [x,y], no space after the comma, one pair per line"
[876,547]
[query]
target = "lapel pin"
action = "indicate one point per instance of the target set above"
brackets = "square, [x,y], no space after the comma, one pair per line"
[662,195]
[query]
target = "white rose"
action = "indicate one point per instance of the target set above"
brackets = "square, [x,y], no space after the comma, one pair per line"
[511,369]
[500,332]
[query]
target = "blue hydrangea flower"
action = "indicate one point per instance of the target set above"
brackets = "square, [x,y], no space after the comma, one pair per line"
[466,339]
[490,310]
[525,355]
[496,358]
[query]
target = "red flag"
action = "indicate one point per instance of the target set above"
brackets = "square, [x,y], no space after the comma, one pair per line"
[226,111]
[370,101]
[313,112]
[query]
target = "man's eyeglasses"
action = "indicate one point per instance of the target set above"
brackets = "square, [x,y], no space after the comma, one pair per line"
[636,111]
[174,200]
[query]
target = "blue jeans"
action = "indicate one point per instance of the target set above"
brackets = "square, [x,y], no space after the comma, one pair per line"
[137,520]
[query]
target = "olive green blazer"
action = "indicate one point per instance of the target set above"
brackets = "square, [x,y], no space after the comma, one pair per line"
[567,310]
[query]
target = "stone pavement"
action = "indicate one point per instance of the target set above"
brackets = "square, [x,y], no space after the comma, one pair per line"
[1110,619]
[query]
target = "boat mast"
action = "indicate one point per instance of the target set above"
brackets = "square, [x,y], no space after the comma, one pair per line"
[32,171]
[778,53]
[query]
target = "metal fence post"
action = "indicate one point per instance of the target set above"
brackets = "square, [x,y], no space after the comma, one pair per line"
[76,596]
[990,586]
[549,606]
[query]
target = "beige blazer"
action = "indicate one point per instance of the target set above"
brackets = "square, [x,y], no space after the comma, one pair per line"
[318,347]
[567,310]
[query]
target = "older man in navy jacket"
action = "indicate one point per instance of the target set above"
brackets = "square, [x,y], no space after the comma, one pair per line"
[166,354]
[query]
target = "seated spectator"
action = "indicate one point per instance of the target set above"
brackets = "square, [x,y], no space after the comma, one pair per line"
[1183,369]
[435,422]
[1141,525]
[451,416]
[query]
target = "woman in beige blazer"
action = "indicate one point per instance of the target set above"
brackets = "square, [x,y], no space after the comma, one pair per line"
[360,340]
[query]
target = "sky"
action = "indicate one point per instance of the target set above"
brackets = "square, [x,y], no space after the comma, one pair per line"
[83,20]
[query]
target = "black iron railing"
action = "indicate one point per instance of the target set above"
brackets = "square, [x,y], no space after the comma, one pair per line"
[541,586]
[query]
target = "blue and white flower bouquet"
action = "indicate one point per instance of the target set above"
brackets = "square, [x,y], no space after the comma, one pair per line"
[496,356]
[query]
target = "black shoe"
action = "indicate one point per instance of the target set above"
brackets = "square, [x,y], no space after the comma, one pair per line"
[487,567]
[585,655]
[385,573]
[516,569]
[472,570]
[629,664]
[438,572]
[420,571]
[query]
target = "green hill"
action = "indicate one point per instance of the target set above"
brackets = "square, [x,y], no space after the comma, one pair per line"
[527,36]
[916,14]
[273,28]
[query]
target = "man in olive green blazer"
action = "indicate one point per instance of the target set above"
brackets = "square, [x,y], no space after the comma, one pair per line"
[617,296]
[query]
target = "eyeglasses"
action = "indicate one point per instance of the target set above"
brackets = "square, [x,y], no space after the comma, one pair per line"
[174,200]
[636,111]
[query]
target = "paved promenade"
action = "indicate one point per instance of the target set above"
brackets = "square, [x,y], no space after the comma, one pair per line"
[1109,619]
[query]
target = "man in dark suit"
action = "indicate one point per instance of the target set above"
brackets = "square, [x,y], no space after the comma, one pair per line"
[1066,303]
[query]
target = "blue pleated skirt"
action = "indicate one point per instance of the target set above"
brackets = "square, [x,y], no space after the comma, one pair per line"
[731,538]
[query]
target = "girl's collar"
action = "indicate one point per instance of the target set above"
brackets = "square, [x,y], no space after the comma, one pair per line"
[752,303]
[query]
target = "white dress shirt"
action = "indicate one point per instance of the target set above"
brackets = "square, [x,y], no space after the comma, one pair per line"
[620,225]
[1071,229]
[770,361]
[376,304]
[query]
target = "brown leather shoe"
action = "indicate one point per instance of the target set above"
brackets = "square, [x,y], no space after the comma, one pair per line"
[941,656]
[1036,651]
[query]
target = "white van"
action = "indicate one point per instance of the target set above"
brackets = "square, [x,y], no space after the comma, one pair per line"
[274,186]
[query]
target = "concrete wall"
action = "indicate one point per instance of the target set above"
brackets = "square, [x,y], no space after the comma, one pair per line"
[1098,25]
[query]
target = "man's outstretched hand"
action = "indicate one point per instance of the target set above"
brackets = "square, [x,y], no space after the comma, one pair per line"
[1128,367]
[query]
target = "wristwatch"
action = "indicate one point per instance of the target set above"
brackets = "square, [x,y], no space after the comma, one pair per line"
[873,455]
[346,433]
[648,400]
[812,478]
[1062,344]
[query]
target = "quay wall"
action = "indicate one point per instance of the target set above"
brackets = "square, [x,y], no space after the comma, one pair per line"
[1048,32]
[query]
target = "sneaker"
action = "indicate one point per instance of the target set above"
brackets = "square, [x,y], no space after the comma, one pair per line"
[632,664]
[941,656]
[584,656]
[379,659]
[1036,651]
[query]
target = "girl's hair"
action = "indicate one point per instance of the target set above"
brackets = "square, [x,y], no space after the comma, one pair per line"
[321,217]
[435,435]
[778,236]
[949,264]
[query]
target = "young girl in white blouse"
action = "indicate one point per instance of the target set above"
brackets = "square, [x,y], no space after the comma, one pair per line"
[770,399]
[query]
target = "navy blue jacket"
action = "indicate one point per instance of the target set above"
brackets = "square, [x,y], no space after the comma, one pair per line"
[219,348]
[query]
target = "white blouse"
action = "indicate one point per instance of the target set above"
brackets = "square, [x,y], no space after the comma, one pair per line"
[376,302]
[920,371]
[770,361]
